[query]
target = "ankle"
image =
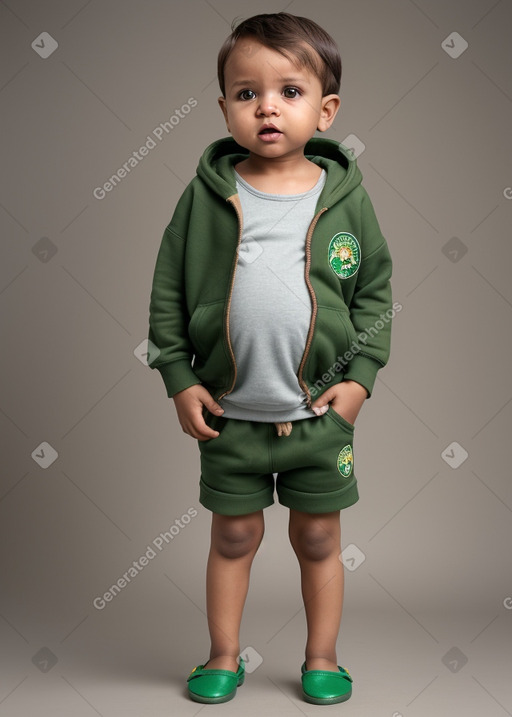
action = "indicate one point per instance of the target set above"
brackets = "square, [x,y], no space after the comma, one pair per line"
[223,662]
[223,654]
[322,661]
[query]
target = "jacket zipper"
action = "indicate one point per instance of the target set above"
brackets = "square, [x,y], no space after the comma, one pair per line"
[235,202]
[309,235]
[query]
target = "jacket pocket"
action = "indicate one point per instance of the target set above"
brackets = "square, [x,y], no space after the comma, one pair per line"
[344,317]
[333,336]
[212,363]
[205,327]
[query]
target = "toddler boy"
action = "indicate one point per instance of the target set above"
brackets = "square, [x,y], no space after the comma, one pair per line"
[269,283]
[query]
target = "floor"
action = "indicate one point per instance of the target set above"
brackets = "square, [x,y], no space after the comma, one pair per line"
[451,664]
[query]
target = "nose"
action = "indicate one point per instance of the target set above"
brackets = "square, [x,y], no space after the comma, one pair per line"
[268,106]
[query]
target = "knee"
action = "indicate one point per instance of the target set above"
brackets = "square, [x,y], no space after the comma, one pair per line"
[236,537]
[312,543]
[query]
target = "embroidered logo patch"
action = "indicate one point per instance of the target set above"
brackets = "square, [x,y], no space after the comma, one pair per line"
[345,461]
[344,255]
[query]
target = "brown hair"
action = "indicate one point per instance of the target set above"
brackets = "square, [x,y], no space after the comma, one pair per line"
[291,36]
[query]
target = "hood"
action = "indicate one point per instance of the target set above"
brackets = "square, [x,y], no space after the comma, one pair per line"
[343,175]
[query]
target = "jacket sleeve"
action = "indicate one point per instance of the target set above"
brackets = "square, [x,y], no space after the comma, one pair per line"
[371,304]
[170,350]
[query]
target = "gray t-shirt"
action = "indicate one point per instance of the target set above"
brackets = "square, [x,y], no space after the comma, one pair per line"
[270,307]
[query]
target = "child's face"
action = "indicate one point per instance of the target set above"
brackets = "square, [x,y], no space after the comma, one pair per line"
[265,88]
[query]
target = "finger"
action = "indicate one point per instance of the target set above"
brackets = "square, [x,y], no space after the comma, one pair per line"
[321,405]
[206,434]
[201,430]
[200,435]
[213,406]
[320,410]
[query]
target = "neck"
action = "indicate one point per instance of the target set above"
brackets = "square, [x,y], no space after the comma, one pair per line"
[276,166]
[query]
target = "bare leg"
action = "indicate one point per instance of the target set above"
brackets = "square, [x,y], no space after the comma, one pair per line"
[316,540]
[234,542]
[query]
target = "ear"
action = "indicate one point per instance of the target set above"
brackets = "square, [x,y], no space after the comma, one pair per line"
[328,111]
[223,106]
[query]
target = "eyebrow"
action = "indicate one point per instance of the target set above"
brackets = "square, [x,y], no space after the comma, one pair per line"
[294,80]
[242,82]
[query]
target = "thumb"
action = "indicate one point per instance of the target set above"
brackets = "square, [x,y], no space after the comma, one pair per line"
[321,405]
[210,404]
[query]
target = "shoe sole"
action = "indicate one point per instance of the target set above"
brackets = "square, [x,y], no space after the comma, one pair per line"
[212,700]
[326,700]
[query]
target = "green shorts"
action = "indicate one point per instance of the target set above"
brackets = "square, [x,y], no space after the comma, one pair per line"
[314,465]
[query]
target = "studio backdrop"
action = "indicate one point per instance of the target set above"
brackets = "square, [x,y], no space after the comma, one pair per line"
[106,108]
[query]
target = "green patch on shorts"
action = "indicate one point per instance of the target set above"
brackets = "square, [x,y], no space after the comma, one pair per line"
[346,461]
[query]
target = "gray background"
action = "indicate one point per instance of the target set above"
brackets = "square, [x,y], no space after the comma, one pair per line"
[434,589]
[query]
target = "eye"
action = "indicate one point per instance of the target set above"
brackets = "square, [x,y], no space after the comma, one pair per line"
[246,95]
[291,92]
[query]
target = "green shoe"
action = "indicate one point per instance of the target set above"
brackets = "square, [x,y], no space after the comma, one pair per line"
[213,686]
[324,687]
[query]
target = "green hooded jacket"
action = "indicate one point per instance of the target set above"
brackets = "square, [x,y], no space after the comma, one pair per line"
[347,272]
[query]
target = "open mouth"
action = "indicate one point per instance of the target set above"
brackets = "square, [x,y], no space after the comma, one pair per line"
[269,133]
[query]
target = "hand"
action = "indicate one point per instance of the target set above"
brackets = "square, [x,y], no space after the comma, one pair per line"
[346,398]
[189,407]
